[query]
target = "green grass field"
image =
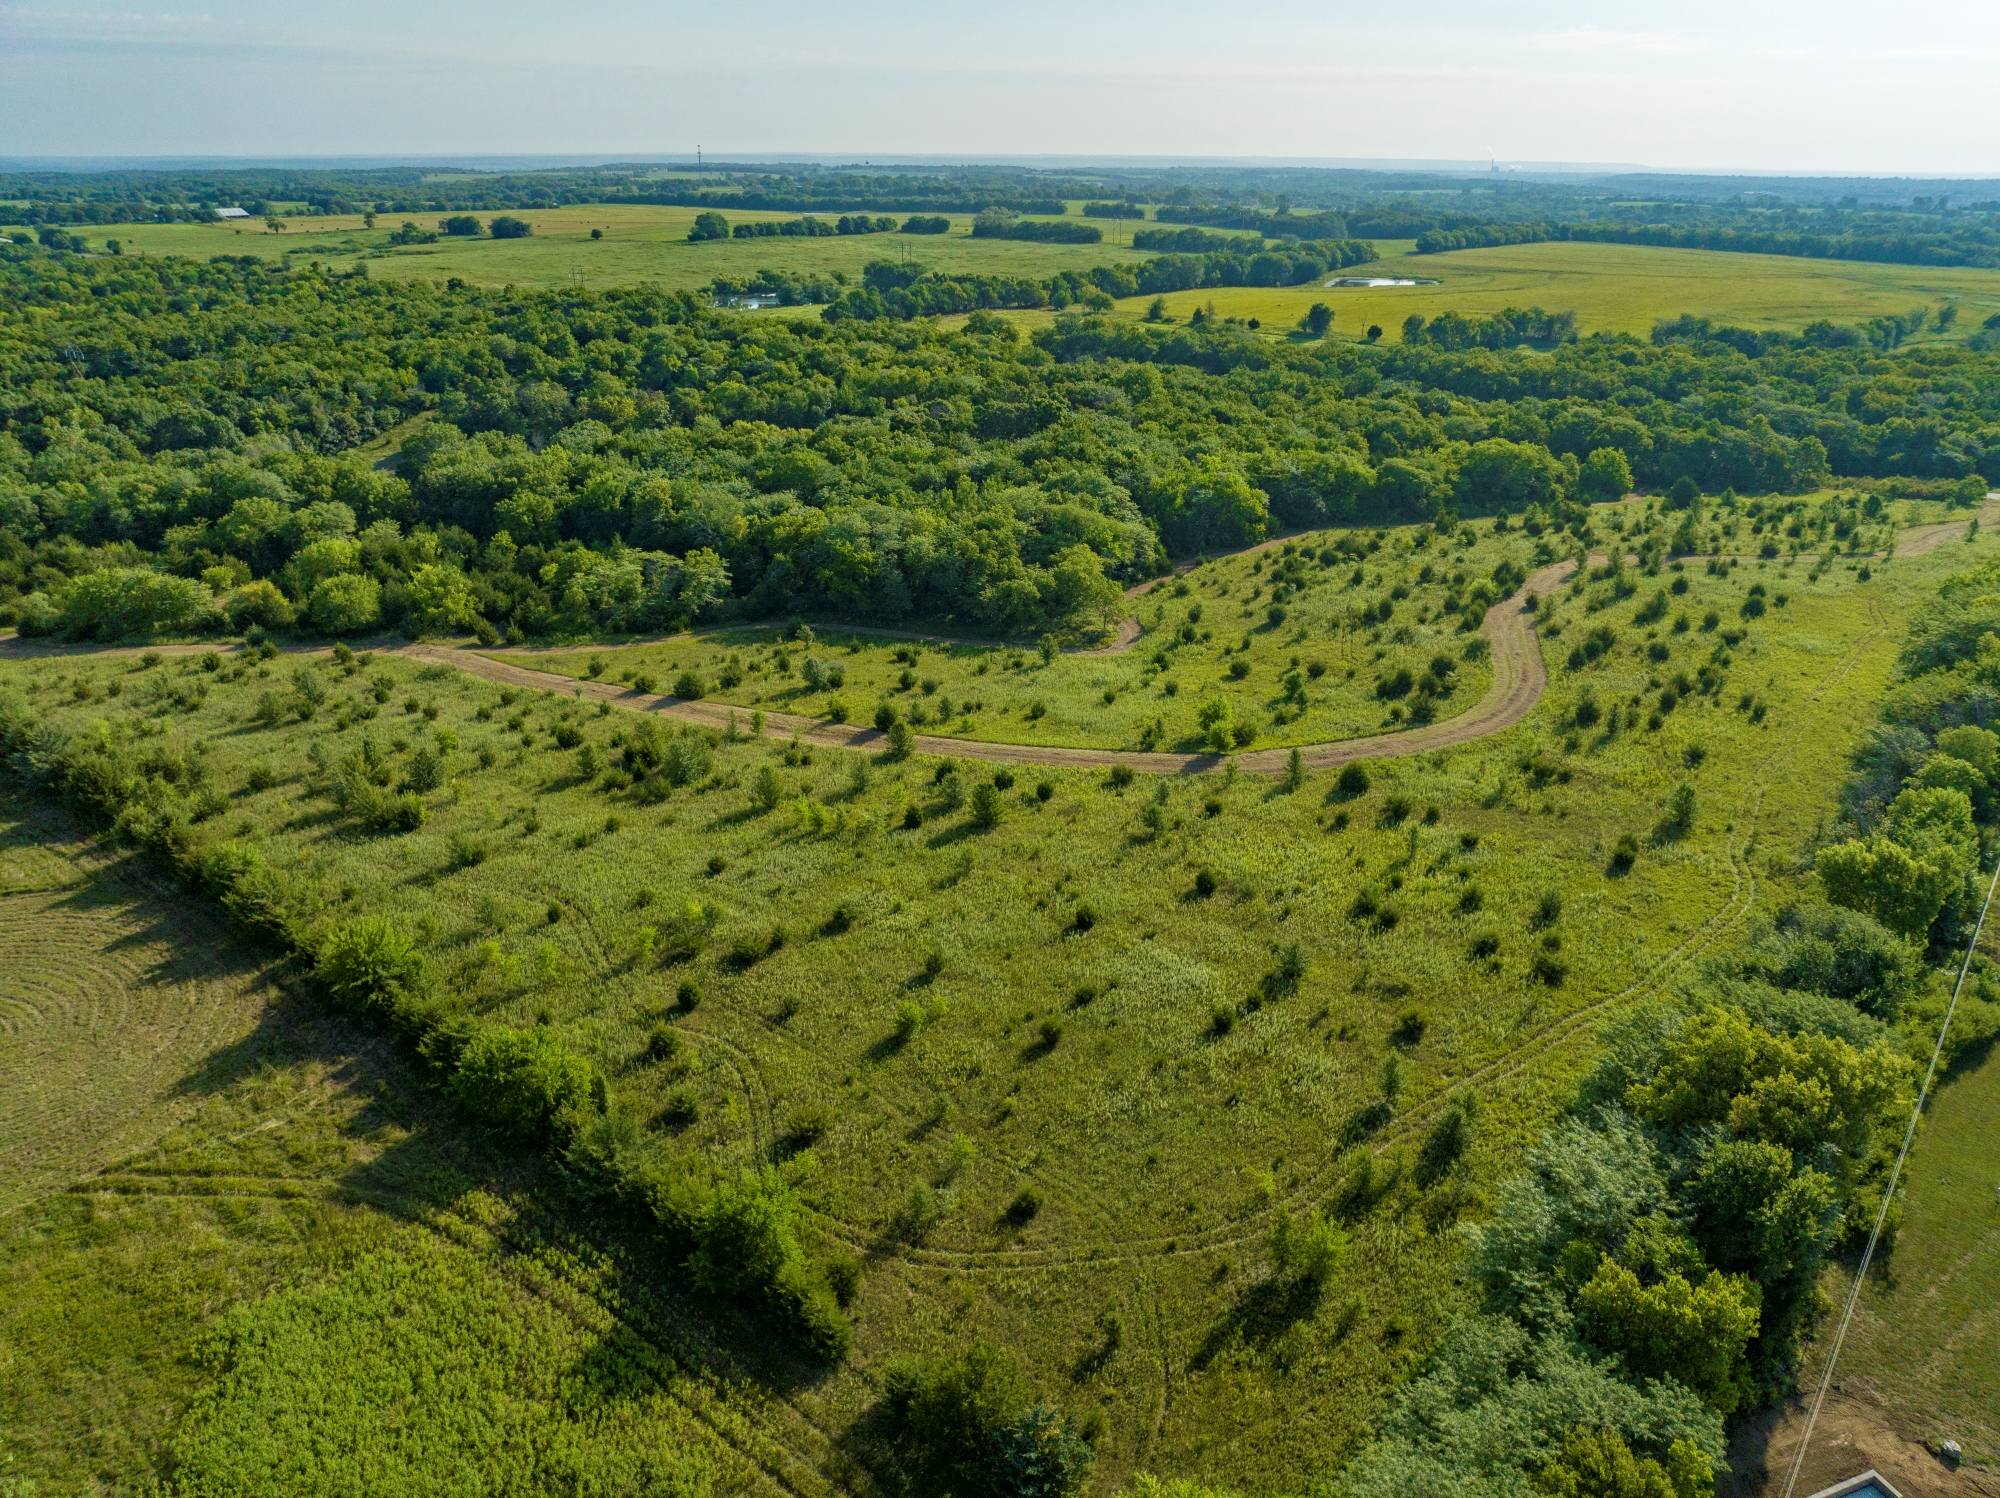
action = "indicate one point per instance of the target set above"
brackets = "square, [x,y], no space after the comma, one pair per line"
[1926,1335]
[641,245]
[279,1268]
[1612,289]
[1060,1003]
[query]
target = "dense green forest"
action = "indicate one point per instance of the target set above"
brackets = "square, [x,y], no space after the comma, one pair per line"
[185,434]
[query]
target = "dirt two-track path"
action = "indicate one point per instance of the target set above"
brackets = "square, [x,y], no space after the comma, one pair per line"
[1518,682]
[1519,679]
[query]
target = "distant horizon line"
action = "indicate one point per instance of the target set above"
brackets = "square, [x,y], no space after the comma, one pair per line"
[886,161]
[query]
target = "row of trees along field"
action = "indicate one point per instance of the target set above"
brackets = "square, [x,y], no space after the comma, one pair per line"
[633,459]
[1891,239]
[893,290]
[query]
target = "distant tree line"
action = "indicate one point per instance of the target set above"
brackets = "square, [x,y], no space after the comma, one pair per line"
[1975,242]
[1000,223]
[710,225]
[1113,210]
[1509,328]
[770,228]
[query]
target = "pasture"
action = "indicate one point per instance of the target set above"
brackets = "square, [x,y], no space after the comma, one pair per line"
[641,245]
[1611,288]
[1047,1079]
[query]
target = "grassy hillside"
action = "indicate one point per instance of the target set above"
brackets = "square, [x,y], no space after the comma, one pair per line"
[1211,635]
[1612,289]
[1046,1082]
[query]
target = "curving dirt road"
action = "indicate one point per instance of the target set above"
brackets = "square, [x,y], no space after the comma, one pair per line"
[1518,681]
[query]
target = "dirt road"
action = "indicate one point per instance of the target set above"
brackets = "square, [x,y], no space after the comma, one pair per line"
[1519,679]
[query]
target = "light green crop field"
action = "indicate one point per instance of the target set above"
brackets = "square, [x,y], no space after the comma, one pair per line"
[1926,1335]
[1211,634]
[641,244]
[1061,1002]
[1611,288]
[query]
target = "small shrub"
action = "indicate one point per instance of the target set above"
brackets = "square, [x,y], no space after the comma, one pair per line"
[688,995]
[468,851]
[843,1278]
[261,778]
[1204,884]
[767,790]
[807,1124]
[1548,910]
[523,1081]
[1085,917]
[1024,1207]
[1222,1019]
[1121,776]
[1353,781]
[1624,856]
[663,1043]
[1045,791]
[1411,1024]
[689,687]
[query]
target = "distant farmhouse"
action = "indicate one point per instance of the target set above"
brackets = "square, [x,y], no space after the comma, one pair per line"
[230,213]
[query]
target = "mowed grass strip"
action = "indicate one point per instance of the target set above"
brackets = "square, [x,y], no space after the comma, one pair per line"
[1926,1336]
[310,1280]
[108,1003]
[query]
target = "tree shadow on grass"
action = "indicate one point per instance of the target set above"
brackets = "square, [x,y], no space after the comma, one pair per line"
[410,1153]
[1263,1313]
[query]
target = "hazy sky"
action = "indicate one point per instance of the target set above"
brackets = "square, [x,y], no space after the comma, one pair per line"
[1829,85]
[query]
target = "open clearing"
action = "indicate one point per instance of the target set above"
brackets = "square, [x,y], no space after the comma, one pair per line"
[1040,1048]
[1926,1336]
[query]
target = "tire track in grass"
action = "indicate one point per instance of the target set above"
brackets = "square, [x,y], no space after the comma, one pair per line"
[1500,1069]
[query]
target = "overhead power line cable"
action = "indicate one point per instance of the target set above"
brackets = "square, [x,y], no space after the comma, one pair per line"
[1889,1194]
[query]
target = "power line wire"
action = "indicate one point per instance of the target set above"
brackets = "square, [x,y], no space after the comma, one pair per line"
[1889,1195]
